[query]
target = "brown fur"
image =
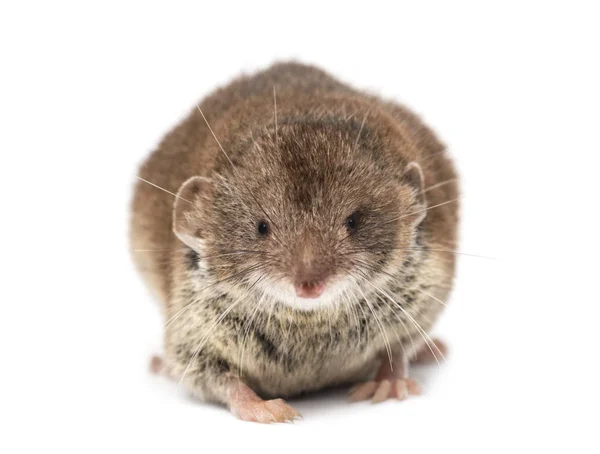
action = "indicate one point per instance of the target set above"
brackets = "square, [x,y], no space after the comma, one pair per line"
[331,152]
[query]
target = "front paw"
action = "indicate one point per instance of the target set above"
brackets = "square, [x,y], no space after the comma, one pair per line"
[380,390]
[265,411]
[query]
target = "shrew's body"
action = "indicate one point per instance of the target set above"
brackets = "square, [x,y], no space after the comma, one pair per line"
[305,247]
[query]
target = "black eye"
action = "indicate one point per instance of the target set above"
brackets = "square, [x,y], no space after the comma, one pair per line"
[262,228]
[352,222]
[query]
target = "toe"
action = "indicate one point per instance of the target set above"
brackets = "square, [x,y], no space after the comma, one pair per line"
[255,413]
[401,389]
[282,411]
[413,387]
[383,391]
[363,391]
[378,391]
[156,365]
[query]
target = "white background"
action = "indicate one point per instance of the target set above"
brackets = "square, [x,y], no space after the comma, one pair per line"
[85,94]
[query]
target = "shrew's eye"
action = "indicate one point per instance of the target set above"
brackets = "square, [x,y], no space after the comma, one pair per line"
[262,228]
[352,222]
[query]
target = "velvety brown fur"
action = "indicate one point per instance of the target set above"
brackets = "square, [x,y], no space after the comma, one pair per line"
[329,153]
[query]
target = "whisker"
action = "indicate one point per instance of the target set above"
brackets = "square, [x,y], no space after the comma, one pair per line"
[214,136]
[362,125]
[434,154]
[394,277]
[235,170]
[214,326]
[171,320]
[351,314]
[246,328]
[397,219]
[275,114]
[271,307]
[366,318]
[206,336]
[420,329]
[202,256]
[163,189]
[385,338]
[374,270]
[157,250]
[242,252]
[437,185]
[399,319]
[423,210]
[431,296]
[447,251]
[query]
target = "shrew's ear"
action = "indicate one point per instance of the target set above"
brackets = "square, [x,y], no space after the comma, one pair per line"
[413,177]
[188,213]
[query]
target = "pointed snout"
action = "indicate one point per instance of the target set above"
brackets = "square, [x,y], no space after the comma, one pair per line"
[310,289]
[310,277]
[312,266]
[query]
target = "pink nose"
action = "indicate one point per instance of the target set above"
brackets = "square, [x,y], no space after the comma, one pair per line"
[310,289]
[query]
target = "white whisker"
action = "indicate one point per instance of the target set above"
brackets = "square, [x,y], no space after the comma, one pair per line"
[171,320]
[214,136]
[362,125]
[447,251]
[437,185]
[207,334]
[246,330]
[157,250]
[397,316]
[163,189]
[431,296]
[420,329]
[385,338]
[275,113]
[424,209]
[351,313]
[235,171]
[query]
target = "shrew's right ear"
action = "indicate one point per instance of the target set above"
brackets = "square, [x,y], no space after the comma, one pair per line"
[413,177]
[187,211]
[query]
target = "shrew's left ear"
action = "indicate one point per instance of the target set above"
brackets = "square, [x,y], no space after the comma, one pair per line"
[413,177]
[188,212]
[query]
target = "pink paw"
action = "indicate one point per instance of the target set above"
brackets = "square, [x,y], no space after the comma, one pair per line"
[265,411]
[378,391]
